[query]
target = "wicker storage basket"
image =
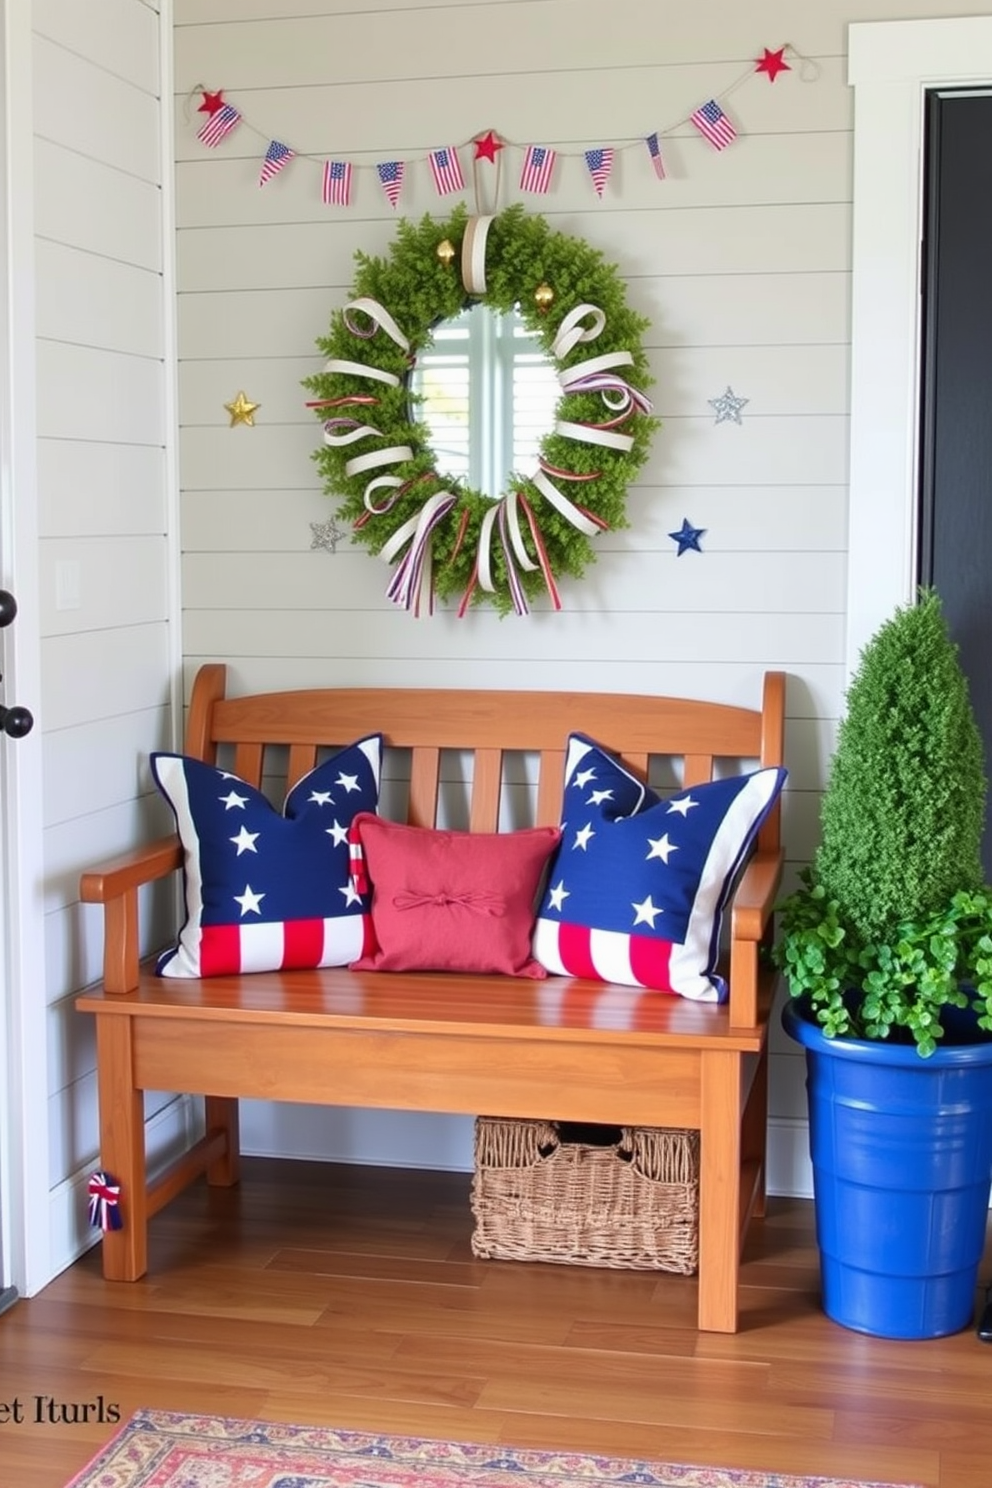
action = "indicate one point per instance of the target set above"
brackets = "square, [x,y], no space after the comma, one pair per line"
[627,1198]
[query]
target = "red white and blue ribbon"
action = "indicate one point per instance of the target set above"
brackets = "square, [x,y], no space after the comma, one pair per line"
[105,1195]
[412,583]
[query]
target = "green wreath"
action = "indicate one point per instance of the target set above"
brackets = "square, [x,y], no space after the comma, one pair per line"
[441,537]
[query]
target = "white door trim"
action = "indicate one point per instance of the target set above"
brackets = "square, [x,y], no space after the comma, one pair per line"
[891,64]
[24,1154]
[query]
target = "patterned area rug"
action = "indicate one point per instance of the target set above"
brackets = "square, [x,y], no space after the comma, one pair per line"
[160,1449]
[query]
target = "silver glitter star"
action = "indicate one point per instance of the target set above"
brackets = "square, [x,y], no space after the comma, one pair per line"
[728,407]
[326,535]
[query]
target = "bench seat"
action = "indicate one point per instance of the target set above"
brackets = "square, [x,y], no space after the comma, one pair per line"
[559,1049]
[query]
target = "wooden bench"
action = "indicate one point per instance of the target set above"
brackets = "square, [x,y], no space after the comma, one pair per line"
[442,1041]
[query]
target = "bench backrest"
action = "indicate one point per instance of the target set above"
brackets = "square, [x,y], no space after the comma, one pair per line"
[488,726]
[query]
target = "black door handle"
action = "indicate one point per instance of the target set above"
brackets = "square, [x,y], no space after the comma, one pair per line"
[15,722]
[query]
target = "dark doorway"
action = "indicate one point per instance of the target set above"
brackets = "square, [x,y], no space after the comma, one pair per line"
[956,406]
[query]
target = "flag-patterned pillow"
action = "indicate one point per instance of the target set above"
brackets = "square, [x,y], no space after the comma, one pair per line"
[637,888]
[263,889]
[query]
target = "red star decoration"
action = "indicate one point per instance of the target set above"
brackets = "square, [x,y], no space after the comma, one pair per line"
[211,103]
[486,147]
[773,63]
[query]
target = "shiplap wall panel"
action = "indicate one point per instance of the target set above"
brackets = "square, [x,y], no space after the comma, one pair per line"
[93,490]
[129,664]
[124,582]
[758,518]
[111,121]
[602,641]
[96,207]
[721,584]
[101,395]
[124,43]
[93,301]
[678,32]
[113,763]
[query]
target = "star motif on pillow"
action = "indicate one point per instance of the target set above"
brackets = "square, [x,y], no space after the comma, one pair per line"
[646,912]
[251,903]
[683,805]
[661,847]
[558,895]
[245,841]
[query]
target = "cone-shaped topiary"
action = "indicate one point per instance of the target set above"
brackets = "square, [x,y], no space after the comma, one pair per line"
[903,817]
[893,924]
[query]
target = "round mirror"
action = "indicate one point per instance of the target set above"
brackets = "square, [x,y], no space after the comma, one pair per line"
[488,395]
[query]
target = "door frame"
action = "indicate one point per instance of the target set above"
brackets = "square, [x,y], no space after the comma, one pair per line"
[891,64]
[24,1150]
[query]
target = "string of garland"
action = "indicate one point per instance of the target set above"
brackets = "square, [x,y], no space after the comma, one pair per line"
[444,538]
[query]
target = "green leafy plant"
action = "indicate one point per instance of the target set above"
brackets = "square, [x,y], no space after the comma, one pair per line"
[892,923]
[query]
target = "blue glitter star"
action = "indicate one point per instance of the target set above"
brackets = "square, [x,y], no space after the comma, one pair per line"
[687,537]
[728,406]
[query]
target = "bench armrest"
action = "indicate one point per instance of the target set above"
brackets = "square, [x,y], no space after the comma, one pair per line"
[751,912]
[115,885]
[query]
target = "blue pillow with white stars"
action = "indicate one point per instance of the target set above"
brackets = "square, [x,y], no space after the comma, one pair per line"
[264,889]
[637,889]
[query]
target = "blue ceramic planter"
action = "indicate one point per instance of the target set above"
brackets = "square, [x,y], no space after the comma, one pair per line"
[902,1168]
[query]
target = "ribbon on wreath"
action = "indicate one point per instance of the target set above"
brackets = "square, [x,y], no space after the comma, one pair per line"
[414,575]
[104,1209]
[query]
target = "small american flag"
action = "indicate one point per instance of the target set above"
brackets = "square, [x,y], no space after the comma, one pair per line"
[337,183]
[654,150]
[220,123]
[711,121]
[600,163]
[539,162]
[276,156]
[446,170]
[390,173]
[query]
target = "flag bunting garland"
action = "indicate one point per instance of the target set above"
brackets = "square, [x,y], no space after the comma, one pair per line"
[539,161]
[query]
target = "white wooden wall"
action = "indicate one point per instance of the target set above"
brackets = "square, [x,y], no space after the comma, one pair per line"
[109,655]
[740,259]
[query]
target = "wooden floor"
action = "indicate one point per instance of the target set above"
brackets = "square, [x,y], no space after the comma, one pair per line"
[350,1297]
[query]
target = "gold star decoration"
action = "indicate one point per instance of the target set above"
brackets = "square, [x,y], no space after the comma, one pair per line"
[242,411]
[326,535]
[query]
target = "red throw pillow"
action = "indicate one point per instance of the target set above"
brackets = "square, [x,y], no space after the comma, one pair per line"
[451,901]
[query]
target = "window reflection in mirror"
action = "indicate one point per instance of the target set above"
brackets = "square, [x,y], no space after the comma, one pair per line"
[489,395]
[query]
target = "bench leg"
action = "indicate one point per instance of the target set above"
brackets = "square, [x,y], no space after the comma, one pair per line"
[720,1192]
[122,1148]
[221,1114]
[755,1134]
